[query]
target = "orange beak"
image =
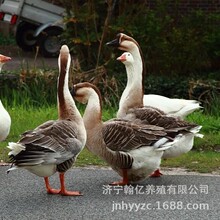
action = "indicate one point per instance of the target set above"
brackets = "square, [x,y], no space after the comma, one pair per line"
[122,58]
[4,59]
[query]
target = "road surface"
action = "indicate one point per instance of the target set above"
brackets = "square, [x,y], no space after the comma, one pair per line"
[170,197]
[25,60]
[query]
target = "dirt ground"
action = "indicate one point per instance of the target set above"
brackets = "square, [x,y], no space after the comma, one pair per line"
[24,60]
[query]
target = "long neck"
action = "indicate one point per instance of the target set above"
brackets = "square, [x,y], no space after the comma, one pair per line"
[93,113]
[139,61]
[66,105]
[133,93]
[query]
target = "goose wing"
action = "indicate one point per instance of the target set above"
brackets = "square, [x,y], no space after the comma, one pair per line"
[153,116]
[120,135]
[51,142]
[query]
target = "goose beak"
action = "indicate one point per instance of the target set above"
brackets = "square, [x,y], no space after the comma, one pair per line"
[122,58]
[73,92]
[4,59]
[113,43]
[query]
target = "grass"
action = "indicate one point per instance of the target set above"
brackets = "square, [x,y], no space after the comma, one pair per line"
[10,40]
[210,129]
[204,158]
[203,162]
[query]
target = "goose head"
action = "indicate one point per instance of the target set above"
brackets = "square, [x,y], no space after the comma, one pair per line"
[85,91]
[3,60]
[124,42]
[126,58]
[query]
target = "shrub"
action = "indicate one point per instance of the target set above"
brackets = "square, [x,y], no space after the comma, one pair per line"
[173,43]
[30,88]
[176,45]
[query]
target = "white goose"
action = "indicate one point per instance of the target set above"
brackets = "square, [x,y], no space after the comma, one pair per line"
[5,119]
[174,107]
[54,145]
[134,150]
[130,110]
[5,122]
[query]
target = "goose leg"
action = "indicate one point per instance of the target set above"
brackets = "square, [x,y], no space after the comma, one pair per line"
[63,190]
[156,173]
[49,189]
[124,180]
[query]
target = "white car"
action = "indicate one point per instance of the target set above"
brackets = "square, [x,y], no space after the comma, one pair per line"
[37,23]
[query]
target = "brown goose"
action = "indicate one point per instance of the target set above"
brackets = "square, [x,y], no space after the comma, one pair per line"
[134,150]
[174,107]
[54,145]
[130,110]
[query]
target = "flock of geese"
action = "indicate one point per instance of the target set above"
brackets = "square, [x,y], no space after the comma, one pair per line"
[147,127]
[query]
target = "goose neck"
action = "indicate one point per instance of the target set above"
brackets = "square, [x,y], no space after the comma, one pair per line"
[66,105]
[135,51]
[93,113]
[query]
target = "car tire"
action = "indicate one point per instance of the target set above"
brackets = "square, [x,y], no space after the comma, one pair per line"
[24,36]
[49,41]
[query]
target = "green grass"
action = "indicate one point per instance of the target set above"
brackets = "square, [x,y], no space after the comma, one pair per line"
[87,159]
[204,157]
[203,162]
[210,129]
[25,118]
[10,40]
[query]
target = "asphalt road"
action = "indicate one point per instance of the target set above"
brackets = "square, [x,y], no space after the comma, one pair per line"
[26,60]
[171,197]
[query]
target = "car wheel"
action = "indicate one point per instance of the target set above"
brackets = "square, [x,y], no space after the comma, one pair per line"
[49,42]
[24,36]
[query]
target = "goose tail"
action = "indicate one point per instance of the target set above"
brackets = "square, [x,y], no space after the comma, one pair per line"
[188,109]
[165,143]
[196,130]
[15,148]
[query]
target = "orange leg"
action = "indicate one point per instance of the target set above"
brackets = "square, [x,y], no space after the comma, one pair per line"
[63,190]
[156,173]
[124,180]
[49,189]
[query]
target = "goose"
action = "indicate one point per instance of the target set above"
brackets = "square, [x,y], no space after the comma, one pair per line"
[174,107]
[130,110]
[5,119]
[3,60]
[132,149]
[5,122]
[54,145]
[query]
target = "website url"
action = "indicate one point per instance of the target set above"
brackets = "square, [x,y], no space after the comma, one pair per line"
[158,205]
